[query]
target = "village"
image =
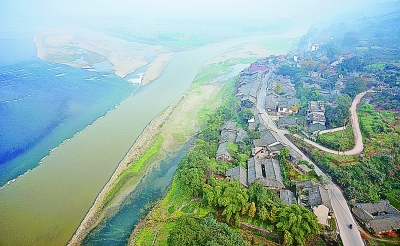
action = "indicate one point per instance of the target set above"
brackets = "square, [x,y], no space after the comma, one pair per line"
[296,114]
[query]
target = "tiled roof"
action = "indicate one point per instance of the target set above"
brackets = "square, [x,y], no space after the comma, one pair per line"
[286,196]
[229,125]
[223,149]
[239,172]
[241,135]
[379,217]
[317,195]
[271,177]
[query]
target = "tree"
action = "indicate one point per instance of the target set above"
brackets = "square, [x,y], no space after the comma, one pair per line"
[309,64]
[233,197]
[284,153]
[278,88]
[295,108]
[263,213]
[297,223]
[261,196]
[207,231]
[354,86]
[252,210]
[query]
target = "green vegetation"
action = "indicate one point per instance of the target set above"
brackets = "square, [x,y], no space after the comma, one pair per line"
[340,140]
[206,231]
[297,224]
[376,175]
[128,173]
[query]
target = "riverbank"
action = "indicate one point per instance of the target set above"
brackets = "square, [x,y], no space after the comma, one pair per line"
[175,126]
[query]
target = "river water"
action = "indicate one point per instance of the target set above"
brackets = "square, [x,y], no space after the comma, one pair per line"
[46,205]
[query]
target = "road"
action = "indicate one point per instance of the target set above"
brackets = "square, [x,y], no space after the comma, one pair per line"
[359,146]
[350,237]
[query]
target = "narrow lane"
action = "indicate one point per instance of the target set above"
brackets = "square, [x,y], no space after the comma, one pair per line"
[359,146]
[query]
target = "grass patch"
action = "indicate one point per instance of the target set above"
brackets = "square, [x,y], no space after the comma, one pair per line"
[128,173]
[340,140]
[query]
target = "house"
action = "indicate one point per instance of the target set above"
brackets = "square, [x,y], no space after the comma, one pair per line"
[249,83]
[286,196]
[316,106]
[316,198]
[228,134]
[270,137]
[223,153]
[266,171]
[285,104]
[378,218]
[241,136]
[294,155]
[271,101]
[275,149]
[255,121]
[284,122]
[316,118]
[239,173]
[259,149]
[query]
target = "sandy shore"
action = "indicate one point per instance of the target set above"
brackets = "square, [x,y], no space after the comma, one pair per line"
[156,67]
[78,47]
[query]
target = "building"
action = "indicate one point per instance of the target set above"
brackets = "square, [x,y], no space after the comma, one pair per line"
[266,171]
[239,173]
[228,134]
[378,218]
[286,196]
[316,198]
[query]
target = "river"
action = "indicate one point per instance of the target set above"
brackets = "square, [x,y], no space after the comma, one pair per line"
[46,205]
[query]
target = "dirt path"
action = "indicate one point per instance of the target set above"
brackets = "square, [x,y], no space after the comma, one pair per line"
[359,146]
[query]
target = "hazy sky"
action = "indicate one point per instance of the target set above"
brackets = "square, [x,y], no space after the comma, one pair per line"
[298,10]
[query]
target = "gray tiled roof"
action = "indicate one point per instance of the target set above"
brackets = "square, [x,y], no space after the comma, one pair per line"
[223,149]
[259,143]
[379,217]
[269,137]
[229,125]
[272,171]
[228,136]
[239,172]
[241,135]
[317,195]
[276,147]
[286,196]
[286,121]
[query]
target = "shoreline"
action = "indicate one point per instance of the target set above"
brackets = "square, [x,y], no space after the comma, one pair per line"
[143,142]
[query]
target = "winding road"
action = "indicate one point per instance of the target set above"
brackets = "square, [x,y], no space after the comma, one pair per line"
[359,146]
[350,237]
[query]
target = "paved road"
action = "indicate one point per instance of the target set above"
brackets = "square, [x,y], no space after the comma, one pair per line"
[350,237]
[359,146]
[333,130]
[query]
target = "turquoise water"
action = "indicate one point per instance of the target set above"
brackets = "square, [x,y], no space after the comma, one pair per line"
[116,229]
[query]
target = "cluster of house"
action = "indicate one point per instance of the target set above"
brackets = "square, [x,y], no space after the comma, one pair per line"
[250,81]
[316,116]
[263,168]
